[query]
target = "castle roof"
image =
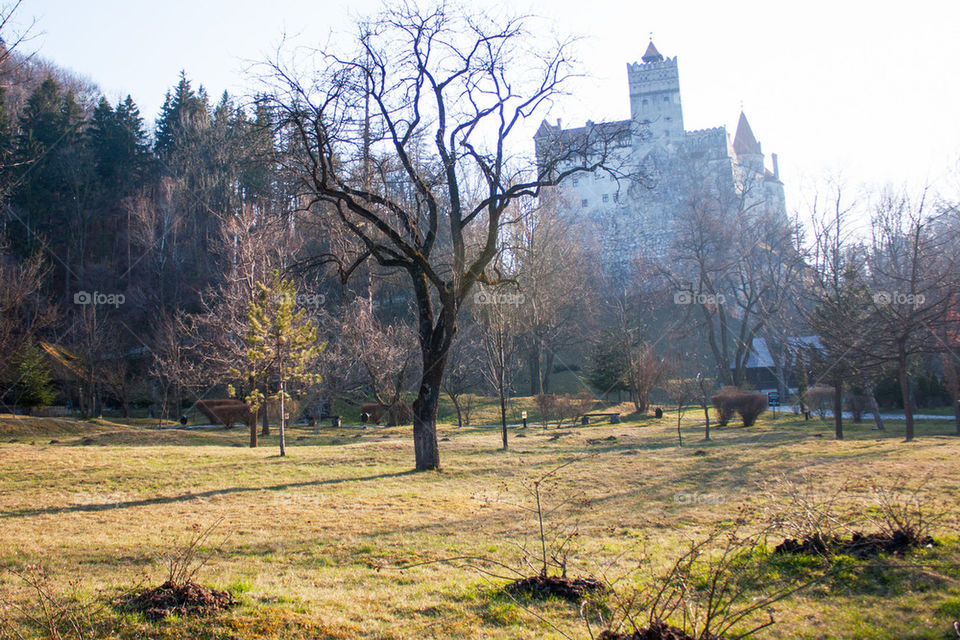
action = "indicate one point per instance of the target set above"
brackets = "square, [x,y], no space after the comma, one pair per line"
[744,142]
[652,55]
[613,133]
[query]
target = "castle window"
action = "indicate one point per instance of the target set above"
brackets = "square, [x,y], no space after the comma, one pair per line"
[645,102]
[616,197]
[606,198]
[666,98]
[575,182]
[667,132]
[583,203]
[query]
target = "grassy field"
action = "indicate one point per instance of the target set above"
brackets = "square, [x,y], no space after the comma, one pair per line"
[312,543]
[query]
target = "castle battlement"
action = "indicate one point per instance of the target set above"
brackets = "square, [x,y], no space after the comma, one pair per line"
[709,132]
[666,62]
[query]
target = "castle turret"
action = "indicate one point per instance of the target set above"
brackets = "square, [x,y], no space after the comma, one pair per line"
[746,147]
[655,94]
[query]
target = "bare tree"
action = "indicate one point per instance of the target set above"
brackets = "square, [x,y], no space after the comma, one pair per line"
[368,356]
[433,97]
[496,314]
[913,274]
[464,370]
[555,272]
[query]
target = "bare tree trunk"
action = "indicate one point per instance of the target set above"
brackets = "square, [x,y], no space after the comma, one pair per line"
[425,447]
[536,373]
[265,431]
[838,409]
[547,370]
[503,418]
[253,431]
[455,399]
[874,405]
[905,391]
[283,420]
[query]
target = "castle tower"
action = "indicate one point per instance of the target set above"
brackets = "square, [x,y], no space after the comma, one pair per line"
[745,146]
[655,94]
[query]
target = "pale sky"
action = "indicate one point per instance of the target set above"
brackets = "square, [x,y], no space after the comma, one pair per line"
[867,89]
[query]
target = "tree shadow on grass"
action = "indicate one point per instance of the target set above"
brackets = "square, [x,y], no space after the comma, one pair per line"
[186,497]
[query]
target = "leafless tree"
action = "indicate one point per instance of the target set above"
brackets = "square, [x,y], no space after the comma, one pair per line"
[556,274]
[496,313]
[434,97]
[368,356]
[914,280]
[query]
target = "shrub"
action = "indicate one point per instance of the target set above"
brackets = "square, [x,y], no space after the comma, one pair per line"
[750,406]
[546,405]
[857,404]
[722,403]
[730,400]
[399,414]
[818,398]
[226,411]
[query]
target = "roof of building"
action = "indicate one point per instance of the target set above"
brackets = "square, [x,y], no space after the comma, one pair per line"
[652,55]
[611,133]
[744,142]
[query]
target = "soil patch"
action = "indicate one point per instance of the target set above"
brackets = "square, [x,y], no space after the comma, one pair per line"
[573,589]
[188,599]
[859,545]
[658,630]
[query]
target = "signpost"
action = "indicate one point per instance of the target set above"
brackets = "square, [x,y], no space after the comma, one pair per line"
[773,400]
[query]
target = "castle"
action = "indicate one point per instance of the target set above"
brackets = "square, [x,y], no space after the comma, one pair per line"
[661,169]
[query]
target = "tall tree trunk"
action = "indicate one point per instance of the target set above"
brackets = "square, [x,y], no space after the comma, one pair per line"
[425,447]
[455,399]
[503,416]
[905,392]
[536,373]
[265,431]
[838,408]
[283,420]
[874,405]
[435,344]
[547,370]
[252,424]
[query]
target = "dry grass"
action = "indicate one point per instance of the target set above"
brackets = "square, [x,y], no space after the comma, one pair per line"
[313,537]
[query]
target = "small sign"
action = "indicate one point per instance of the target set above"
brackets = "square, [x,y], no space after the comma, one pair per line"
[773,398]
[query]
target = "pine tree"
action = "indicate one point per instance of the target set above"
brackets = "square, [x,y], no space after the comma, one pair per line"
[184,114]
[34,381]
[282,344]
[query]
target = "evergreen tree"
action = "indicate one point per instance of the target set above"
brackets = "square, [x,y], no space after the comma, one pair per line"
[281,343]
[184,114]
[608,366]
[33,387]
[120,146]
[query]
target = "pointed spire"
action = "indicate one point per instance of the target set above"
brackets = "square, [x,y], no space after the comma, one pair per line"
[744,142]
[652,55]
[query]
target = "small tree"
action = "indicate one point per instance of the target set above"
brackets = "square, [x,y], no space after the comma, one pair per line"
[33,387]
[281,342]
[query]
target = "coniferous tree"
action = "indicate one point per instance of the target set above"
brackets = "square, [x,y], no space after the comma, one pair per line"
[282,344]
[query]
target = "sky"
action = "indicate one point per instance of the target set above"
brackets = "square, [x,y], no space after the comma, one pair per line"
[867,92]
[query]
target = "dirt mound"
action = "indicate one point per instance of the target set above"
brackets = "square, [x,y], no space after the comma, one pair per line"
[573,589]
[188,599]
[858,545]
[658,630]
